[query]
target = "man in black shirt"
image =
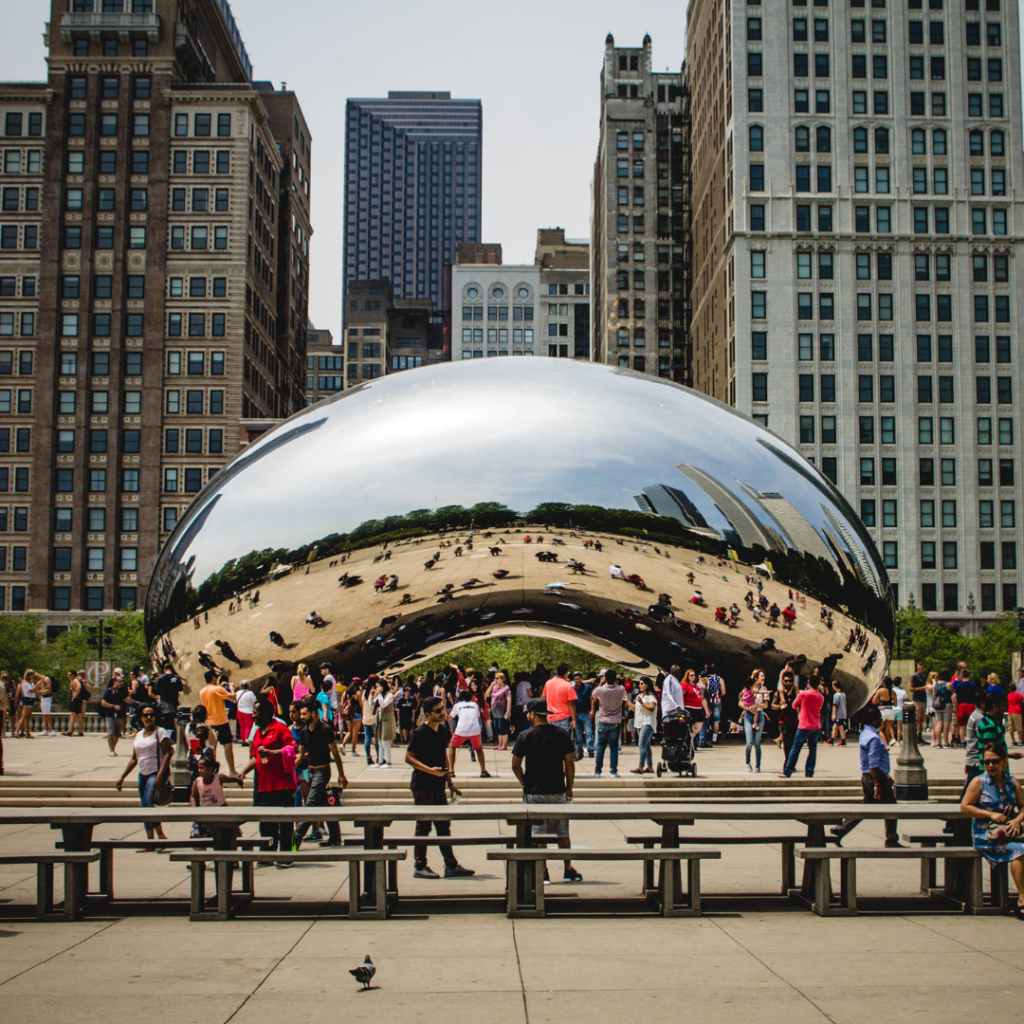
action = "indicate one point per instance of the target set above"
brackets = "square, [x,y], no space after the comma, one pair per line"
[407,705]
[316,748]
[112,705]
[549,774]
[427,753]
[168,686]
[919,694]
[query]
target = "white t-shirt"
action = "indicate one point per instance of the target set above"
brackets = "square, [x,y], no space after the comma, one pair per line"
[641,715]
[147,750]
[468,715]
[246,702]
[901,695]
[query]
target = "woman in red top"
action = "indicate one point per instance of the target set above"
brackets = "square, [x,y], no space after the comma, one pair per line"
[696,706]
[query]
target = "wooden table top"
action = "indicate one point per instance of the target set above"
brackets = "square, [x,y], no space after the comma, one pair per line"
[510,812]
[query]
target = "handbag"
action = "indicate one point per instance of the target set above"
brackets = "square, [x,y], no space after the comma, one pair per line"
[998,834]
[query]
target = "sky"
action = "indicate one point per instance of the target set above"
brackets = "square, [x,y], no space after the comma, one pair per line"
[534,65]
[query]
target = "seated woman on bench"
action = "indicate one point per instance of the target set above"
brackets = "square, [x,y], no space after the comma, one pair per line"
[996,803]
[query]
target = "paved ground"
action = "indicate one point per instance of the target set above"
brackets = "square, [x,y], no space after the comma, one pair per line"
[748,960]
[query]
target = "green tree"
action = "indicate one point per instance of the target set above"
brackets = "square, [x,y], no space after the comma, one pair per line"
[941,648]
[21,644]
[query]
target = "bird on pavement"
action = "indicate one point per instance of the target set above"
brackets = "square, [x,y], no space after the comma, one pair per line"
[364,972]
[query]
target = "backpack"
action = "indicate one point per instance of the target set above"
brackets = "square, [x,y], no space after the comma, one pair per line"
[940,697]
[714,689]
[83,690]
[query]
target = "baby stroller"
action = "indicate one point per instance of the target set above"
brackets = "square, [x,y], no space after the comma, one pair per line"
[677,744]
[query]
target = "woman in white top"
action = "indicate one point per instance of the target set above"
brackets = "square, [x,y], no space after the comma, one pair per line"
[645,718]
[26,703]
[384,701]
[152,752]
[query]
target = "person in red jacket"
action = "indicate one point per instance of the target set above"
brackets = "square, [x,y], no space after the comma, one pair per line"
[273,758]
[807,704]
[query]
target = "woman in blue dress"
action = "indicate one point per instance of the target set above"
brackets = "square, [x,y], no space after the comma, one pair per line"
[995,801]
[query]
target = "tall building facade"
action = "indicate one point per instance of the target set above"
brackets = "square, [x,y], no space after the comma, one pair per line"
[538,309]
[857,214]
[640,264]
[154,240]
[325,366]
[413,168]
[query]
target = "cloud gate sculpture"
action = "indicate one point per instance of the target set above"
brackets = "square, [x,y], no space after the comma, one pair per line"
[626,515]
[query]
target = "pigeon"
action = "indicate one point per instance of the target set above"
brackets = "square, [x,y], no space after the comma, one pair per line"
[365,972]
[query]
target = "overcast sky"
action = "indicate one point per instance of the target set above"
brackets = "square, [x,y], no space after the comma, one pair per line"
[535,65]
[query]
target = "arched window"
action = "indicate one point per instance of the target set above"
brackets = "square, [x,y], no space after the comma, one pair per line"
[977,139]
[756,138]
[860,140]
[918,141]
[939,142]
[997,147]
[803,140]
[824,139]
[881,140]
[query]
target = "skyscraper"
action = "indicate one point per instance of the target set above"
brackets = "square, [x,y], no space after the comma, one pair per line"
[154,254]
[857,212]
[413,166]
[640,267]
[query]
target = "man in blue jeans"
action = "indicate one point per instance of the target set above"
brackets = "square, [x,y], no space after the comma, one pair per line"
[584,723]
[807,703]
[606,703]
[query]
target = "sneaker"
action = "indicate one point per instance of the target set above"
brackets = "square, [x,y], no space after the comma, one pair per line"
[458,872]
[597,775]
[757,771]
[782,775]
[330,842]
[842,743]
[895,845]
[828,743]
[315,836]
[571,875]
[424,872]
[749,768]
[286,864]
[615,775]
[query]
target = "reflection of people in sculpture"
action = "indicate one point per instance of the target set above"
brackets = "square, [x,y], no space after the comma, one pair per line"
[276,639]
[392,582]
[225,649]
[690,578]
[315,620]
[788,616]
[378,583]
[406,599]
[500,574]
[698,599]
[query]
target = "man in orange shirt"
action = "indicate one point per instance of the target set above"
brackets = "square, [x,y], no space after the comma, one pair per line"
[560,694]
[213,696]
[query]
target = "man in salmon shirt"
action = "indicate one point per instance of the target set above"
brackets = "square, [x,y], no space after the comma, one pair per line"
[213,697]
[275,777]
[560,694]
[807,704]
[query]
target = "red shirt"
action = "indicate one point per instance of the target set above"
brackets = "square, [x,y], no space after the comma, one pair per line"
[691,696]
[1014,701]
[808,703]
[273,776]
[558,692]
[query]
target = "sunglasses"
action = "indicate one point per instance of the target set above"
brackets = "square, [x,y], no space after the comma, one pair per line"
[992,760]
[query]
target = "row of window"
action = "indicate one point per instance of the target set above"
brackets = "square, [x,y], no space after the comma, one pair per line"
[887,434]
[13,196]
[107,162]
[19,236]
[879,104]
[26,325]
[9,287]
[202,125]
[15,159]
[475,335]
[497,312]
[886,348]
[200,200]
[190,441]
[95,559]
[981,218]
[93,599]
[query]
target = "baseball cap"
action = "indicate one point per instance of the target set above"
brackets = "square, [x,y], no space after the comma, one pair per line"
[539,706]
[325,664]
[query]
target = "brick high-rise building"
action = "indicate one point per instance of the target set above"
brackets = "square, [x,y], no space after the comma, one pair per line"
[857,215]
[154,239]
[413,167]
[640,269]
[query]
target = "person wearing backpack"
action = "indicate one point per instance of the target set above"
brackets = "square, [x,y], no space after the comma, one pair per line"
[942,709]
[714,691]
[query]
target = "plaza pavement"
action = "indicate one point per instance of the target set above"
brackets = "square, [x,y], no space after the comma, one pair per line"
[287,957]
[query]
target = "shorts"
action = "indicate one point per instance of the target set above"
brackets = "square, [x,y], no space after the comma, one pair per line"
[1013,723]
[76,706]
[223,733]
[943,715]
[113,727]
[696,714]
[715,714]
[501,726]
[888,714]
[841,722]
[899,715]
[963,712]
[474,741]
[26,702]
[45,703]
[556,826]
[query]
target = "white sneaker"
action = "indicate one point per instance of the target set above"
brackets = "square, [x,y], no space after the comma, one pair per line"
[749,767]
[757,771]
[615,775]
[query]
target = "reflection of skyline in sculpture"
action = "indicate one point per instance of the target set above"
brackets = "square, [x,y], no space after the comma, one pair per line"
[860,565]
[800,534]
[747,530]
[661,500]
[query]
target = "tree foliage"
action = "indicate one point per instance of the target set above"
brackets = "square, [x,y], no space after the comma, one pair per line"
[941,648]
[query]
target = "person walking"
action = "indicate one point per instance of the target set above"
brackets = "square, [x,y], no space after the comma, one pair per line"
[214,697]
[317,747]
[468,729]
[807,704]
[875,780]
[273,753]
[151,751]
[584,721]
[942,709]
[995,803]
[302,684]
[548,776]
[246,707]
[427,755]
[671,692]
[77,691]
[369,711]
[606,706]
[714,692]
[645,714]
[112,707]
[753,718]
[5,713]
[26,704]
[560,695]
[782,702]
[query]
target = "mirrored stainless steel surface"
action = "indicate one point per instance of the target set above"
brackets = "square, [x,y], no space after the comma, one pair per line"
[470,488]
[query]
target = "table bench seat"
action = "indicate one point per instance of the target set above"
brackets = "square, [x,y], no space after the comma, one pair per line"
[75,900]
[229,902]
[525,872]
[996,901]
[822,903]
